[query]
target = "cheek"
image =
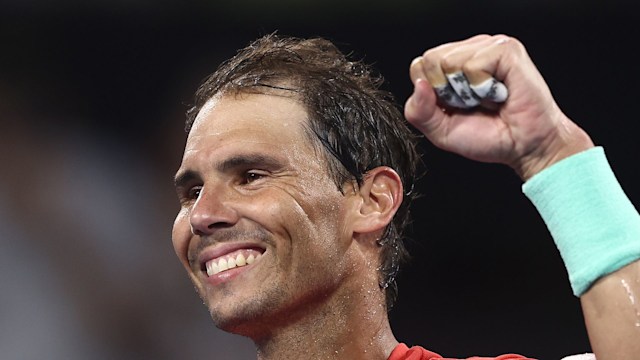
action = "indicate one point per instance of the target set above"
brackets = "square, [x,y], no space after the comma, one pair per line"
[180,236]
[307,220]
[320,230]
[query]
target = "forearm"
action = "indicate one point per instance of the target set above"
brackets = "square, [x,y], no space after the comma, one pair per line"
[612,314]
[597,231]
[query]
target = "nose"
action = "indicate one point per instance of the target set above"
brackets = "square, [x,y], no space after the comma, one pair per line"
[212,210]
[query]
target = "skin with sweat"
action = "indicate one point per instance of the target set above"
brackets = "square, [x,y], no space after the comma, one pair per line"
[251,182]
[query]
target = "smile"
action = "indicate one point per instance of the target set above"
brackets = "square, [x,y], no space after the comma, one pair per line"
[232,260]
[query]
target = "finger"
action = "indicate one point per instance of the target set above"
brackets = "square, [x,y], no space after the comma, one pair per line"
[443,90]
[461,73]
[445,63]
[415,70]
[421,109]
[480,68]
[468,70]
[430,68]
[473,85]
[491,60]
[457,44]
[427,68]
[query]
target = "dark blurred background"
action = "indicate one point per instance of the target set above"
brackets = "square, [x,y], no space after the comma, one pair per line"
[92,97]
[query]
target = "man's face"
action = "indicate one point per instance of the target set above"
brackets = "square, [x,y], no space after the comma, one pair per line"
[256,194]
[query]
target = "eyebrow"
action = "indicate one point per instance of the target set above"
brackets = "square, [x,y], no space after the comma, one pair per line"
[249,160]
[183,178]
[243,161]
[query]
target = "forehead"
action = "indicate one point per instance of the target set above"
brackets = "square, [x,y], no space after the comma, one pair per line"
[249,121]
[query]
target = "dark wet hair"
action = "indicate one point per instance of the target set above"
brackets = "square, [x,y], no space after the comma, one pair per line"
[359,126]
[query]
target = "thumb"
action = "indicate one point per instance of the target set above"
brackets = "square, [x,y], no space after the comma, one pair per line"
[421,109]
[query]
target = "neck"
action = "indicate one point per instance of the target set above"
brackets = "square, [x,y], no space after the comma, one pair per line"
[353,325]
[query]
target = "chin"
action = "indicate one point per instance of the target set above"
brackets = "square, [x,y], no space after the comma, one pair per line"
[243,323]
[243,317]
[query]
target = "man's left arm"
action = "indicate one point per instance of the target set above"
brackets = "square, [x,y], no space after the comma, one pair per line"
[532,135]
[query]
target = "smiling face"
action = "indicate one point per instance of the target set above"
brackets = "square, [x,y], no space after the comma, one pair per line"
[256,199]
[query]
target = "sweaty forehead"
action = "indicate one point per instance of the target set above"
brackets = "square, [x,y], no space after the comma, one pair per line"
[256,116]
[258,122]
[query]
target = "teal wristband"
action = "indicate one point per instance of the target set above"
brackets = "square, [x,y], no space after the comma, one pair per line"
[593,223]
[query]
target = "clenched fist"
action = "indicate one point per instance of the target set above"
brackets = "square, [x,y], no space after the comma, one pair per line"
[484,99]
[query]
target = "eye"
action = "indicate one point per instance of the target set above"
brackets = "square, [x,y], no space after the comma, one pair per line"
[194,192]
[252,176]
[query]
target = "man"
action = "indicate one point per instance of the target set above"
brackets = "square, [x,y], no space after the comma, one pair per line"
[298,173]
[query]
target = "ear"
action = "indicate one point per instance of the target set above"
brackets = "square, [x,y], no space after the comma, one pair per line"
[381,193]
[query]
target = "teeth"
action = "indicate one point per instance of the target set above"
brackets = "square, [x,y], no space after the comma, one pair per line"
[216,266]
[212,268]
[222,265]
[240,261]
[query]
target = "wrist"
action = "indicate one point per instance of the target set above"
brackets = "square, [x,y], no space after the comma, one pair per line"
[566,140]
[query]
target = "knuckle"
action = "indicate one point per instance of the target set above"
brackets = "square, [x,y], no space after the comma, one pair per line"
[471,66]
[416,62]
[430,60]
[450,64]
[481,37]
[503,38]
[429,56]
[509,41]
[416,65]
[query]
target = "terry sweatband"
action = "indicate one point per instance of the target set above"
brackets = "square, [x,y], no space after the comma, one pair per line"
[593,223]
